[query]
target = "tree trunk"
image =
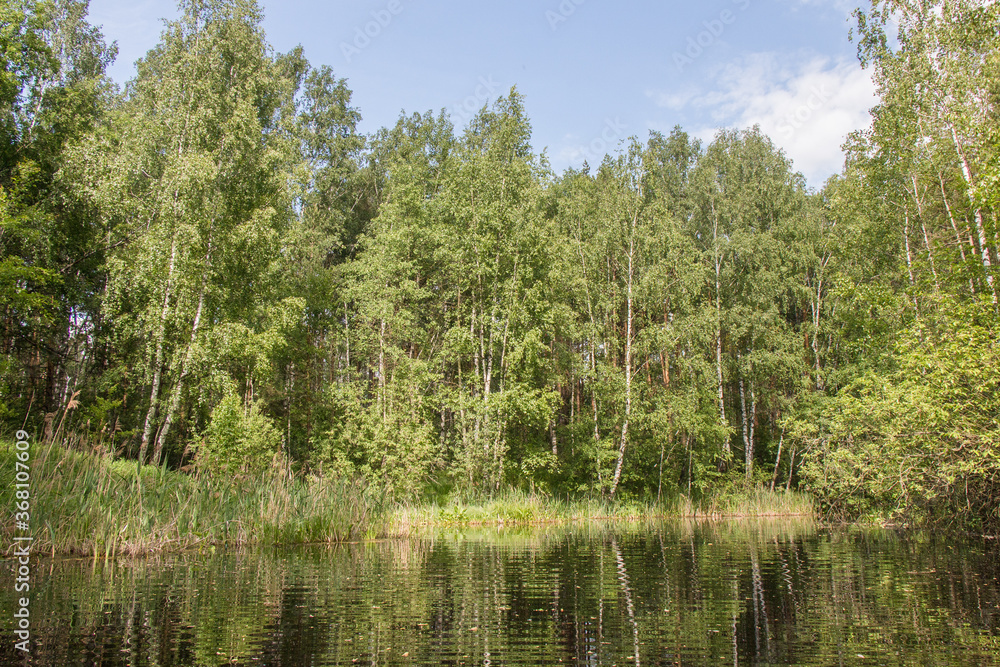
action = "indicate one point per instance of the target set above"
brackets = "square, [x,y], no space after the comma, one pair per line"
[552,437]
[918,200]
[909,260]
[593,354]
[727,451]
[954,227]
[381,368]
[175,398]
[748,426]
[628,360]
[750,440]
[593,406]
[154,393]
[777,459]
[746,436]
[978,215]
[816,305]
[791,469]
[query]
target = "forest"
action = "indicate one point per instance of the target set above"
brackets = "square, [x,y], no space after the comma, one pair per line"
[212,271]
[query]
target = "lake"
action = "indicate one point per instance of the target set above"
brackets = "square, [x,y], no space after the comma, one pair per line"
[680,593]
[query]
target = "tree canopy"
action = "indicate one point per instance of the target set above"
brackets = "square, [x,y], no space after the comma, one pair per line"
[212,267]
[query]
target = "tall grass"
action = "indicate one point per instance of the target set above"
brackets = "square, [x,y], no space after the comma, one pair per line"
[89,505]
[518,507]
[753,502]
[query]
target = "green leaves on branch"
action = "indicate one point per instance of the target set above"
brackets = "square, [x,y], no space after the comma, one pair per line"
[239,439]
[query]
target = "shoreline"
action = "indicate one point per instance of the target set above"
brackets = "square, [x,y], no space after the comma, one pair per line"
[417,531]
[91,506]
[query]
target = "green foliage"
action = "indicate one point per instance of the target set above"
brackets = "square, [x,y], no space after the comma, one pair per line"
[924,440]
[90,505]
[239,438]
[25,58]
[214,262]
[52,92]
[911,434]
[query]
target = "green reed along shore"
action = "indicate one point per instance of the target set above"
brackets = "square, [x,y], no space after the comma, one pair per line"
[86,504]
[517,507]
[90,505]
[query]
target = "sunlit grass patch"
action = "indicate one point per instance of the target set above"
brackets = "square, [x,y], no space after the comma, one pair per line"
[756,502]
[515,507]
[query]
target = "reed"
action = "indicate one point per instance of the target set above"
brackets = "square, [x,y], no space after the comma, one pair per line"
[515,507]
[90,505]
[754,502]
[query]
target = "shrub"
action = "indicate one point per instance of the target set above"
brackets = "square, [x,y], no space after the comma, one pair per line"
[238,438]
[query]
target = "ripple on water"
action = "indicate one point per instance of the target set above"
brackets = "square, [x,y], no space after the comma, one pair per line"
[747,593]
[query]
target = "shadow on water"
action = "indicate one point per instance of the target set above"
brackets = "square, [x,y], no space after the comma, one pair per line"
[692,593]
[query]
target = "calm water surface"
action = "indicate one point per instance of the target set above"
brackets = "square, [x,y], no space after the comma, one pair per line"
[742,593]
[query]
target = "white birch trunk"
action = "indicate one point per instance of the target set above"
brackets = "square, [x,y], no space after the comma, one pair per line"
[628,360]
[154,393]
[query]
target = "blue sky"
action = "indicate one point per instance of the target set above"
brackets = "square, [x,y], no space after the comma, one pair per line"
[594,72]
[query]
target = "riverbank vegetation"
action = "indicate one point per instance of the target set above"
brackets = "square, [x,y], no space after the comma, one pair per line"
[214,273]
[88,505]
[92,505]
[520,508]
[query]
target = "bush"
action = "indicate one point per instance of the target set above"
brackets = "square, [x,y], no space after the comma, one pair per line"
[921,442]
[238,439]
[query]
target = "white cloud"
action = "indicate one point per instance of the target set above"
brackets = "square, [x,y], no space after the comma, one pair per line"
[673,100]
[807,107]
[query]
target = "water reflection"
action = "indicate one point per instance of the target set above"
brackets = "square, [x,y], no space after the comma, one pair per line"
[755,593]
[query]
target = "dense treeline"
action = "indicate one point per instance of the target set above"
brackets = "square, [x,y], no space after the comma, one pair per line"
[214,268]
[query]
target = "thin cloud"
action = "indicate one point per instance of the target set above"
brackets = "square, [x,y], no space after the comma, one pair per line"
[673,100]
[807,107]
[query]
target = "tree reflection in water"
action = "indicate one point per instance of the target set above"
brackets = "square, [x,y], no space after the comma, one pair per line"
[591,594]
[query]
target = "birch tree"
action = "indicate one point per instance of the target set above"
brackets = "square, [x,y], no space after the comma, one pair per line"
[193,166]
